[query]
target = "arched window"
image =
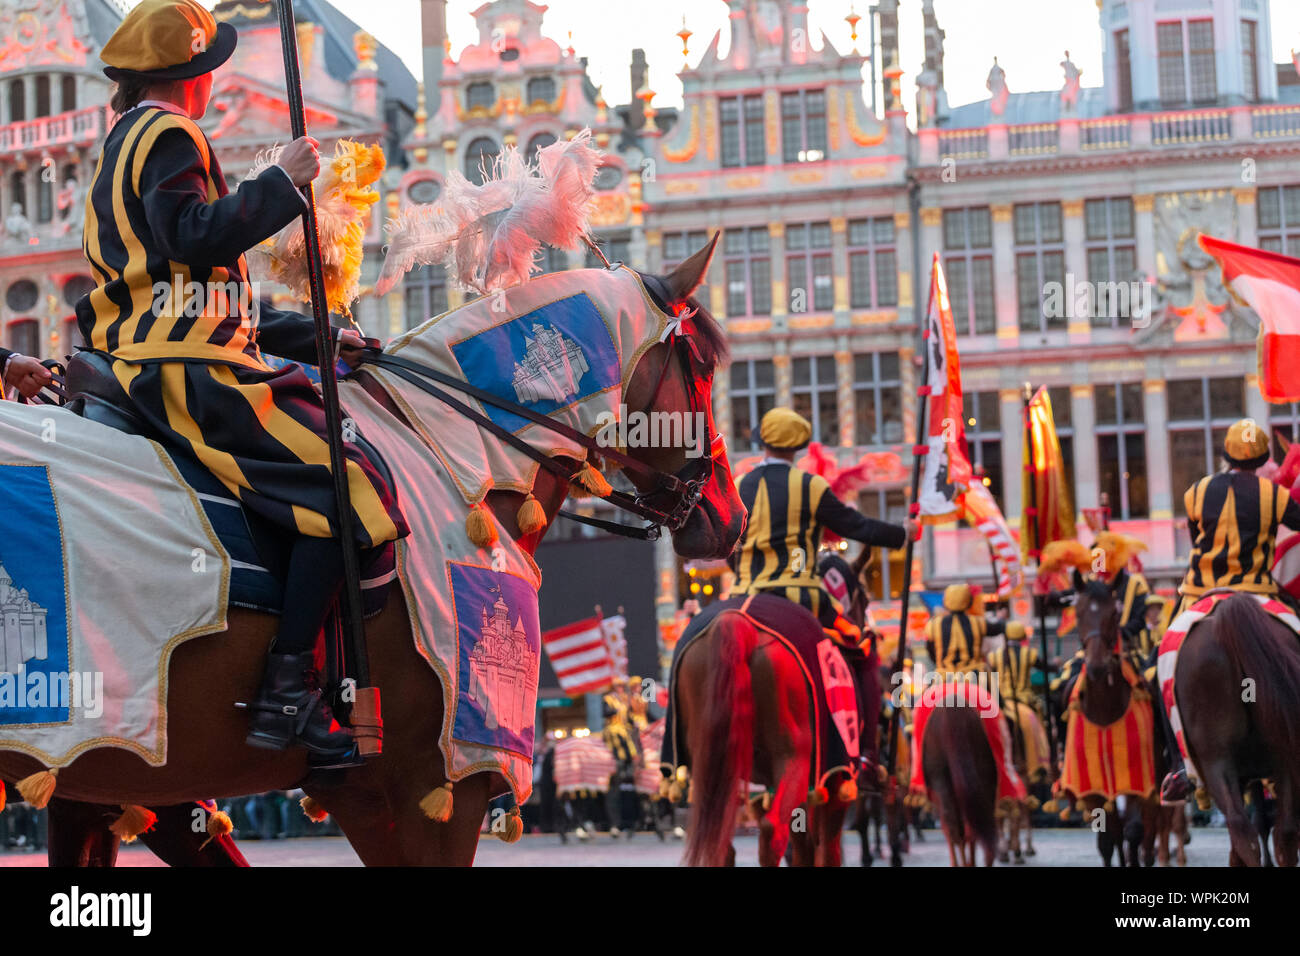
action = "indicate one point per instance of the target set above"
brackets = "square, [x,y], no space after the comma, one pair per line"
[42,95]
[481,94]
[480,156]
[541,89]
[68,103]
[17,101]
[538,142]
[25,337]
[22,295]
[75,288]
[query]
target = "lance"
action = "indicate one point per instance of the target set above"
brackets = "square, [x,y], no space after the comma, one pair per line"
[919,450]
[365,708]
[1036,551]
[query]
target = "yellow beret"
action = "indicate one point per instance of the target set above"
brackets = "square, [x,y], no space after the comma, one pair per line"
[1246,444]
[785,428]
[168,40]
[957,597]
[1015,630]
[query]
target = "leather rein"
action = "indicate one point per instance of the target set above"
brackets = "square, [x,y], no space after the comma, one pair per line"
[686,486]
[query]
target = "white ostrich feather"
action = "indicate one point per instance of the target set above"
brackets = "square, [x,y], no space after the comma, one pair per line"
[490,236]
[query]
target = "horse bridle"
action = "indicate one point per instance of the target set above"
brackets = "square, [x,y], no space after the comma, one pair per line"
[686,485]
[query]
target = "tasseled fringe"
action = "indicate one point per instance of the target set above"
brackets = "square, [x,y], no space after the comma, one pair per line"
[480,528]
[532,516]
[219,825]
[847,792]
[38,788]
[1203,801]
[1031,802]
[1051,806]
[437,804]
[313,810]
[513,828]
[1109,806]
[1065,813]
[818,796]
[589,481]
[134,820]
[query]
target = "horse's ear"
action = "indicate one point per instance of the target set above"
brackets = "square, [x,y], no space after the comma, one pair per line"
[1078,581]
[689,274]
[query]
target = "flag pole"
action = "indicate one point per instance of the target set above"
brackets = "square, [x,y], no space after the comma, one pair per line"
[919,450]
[1036,552]
[365,709]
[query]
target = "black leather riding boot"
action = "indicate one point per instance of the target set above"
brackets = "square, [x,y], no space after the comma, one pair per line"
[290,710]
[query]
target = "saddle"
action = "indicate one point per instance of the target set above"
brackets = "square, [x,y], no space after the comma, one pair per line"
[258,549]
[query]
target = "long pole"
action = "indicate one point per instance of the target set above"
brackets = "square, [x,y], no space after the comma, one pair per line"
[352,613]
[1036,551]
[914,508]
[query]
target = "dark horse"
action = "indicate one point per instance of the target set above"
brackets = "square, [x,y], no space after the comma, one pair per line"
[1105,700]
[962,776]
[378,806]
[1238,687]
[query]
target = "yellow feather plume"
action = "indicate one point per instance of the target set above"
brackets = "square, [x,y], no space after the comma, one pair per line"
[344,193]
[1066,553]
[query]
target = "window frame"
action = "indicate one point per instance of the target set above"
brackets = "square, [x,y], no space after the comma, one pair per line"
[802,120]
[808,259]
[877,386]
[750,130]
[1111,243]
[1121,429]
[1039,248]
[873,249]
[968,254]
[752,394]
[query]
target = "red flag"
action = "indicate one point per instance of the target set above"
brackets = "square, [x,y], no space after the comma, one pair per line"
[1269,283]
[580,656]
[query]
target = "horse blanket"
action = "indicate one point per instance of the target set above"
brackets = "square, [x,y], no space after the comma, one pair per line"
[956,691]
[1176,633]
[833,707]
[90,516]
[1110,760]
[1027,728]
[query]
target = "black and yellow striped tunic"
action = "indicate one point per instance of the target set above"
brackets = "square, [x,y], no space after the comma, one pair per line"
[788,510]
[1014,665]
[955,641]
[1233,519]
[174,306]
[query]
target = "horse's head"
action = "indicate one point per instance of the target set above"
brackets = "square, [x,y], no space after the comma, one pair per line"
[1097,609]
[845,583]
[676,377]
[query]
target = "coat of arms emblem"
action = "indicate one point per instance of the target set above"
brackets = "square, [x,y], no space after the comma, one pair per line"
[552,367]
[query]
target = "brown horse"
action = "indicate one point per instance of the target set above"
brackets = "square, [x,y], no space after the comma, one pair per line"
[962,776]
[744,709]
[1105,700]
[378,805]
[1238,687]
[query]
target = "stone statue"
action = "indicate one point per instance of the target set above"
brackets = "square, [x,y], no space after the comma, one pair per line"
[1070,92]
[997,86]
[17,225]
[72,205]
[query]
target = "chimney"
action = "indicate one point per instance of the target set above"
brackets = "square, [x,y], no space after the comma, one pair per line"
[636,110]
[433,28]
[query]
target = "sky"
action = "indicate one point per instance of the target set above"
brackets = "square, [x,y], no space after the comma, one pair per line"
[1029,38]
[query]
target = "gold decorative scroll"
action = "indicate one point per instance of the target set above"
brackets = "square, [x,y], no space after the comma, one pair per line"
[856,132]
[686,153]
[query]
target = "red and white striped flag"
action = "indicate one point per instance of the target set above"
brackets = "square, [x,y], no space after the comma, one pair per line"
[1269,283]
[580,655]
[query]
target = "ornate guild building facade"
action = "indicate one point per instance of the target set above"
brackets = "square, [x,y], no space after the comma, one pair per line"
[1064,218]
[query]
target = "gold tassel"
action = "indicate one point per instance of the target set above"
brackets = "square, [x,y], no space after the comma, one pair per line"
[38,788]
[675,792]
[848,792]
[1109,806]
[1203,801]
[482,532]
[219,825]
[1051,806]
[437,804]
[2,796]
[818,796]
[1065,814]
[514,827]
[1031,802]
[532,516]
[767,800]
[134,820]
[665,788]
[313,810]
[589,481]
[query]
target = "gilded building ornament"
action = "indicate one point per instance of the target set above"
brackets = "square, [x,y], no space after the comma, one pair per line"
[686,152]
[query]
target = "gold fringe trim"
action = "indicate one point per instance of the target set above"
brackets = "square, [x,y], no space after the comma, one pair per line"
[531,517]
[482,532]
[312,809]
[589,481]
[514,828]
[219,825]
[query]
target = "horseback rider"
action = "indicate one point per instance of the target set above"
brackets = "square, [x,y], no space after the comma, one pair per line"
[22,373]
[788,510]
[1233,517]
[1014,664]
[176,313]
[955,638]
